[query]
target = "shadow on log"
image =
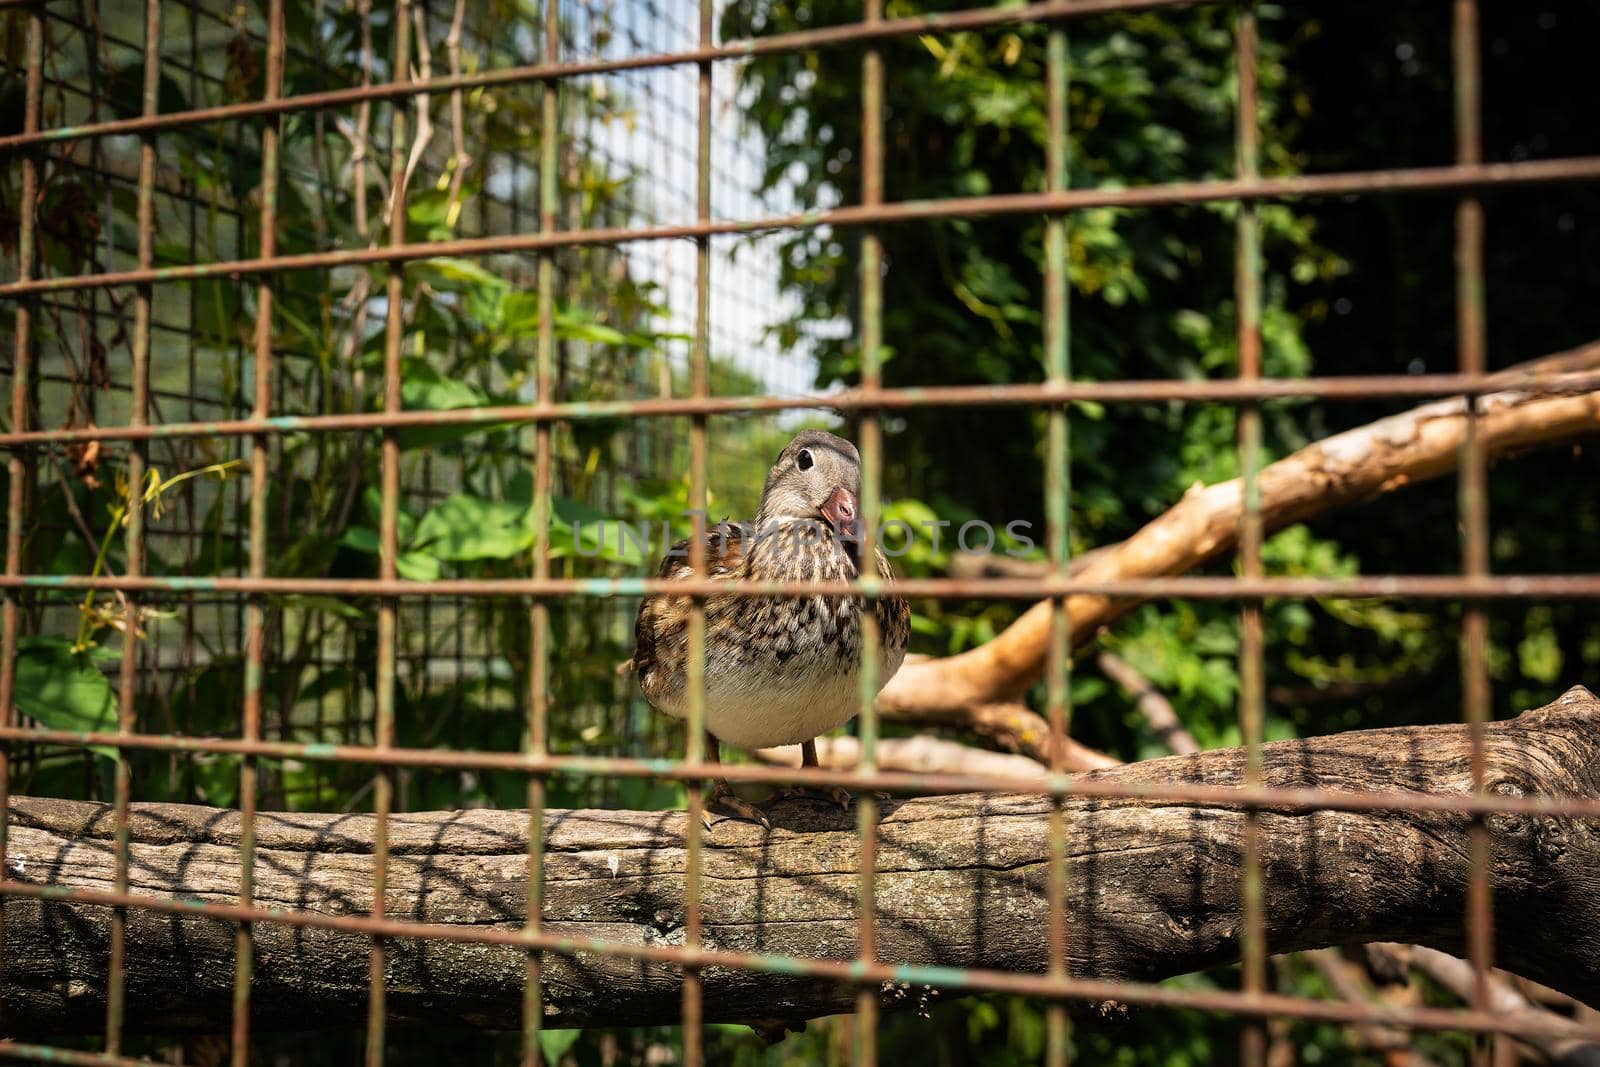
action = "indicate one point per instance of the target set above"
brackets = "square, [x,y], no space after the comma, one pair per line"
[1153,890]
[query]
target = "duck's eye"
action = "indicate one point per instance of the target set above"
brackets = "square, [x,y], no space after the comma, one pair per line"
[804,460]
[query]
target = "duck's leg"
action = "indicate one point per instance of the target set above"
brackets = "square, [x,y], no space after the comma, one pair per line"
[721,795]
[837,794]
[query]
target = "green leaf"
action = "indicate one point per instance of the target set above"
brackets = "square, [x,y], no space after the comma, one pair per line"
[555,1043]
[332,682]
[600,531]
[372,506]
[519,314]
[595,333]
[361,538]
[64,689]
[457,275]
[426,209]
[1539,655]
[567,511]
[423,388]
[216,778]
[575,324]
[467,527]
[418,566]
[331,605]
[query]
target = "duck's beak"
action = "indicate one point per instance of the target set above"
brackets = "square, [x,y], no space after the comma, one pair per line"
[843,513]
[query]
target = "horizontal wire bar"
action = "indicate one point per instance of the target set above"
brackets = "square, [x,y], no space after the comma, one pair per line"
[31,1053]
[776,44]
[1227,390]
[1294,800]
[1414,586]
[857,972]
[1455,177]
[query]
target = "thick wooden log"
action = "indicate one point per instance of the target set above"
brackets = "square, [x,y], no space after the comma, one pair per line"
[1153,890]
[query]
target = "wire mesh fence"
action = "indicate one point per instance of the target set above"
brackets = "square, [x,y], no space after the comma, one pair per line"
[421,308]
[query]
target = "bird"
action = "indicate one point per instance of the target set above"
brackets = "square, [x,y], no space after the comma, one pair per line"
[779,670]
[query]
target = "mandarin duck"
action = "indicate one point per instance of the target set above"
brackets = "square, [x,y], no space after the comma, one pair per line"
[780,670]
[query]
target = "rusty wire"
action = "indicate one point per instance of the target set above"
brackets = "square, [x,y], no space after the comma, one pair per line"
[1474,586]
[1058,534]
[1252,643]
[1473,493]
[539,620]
[1412,180]
[1043,394]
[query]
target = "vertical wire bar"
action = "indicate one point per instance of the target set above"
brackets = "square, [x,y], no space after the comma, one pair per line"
[1252,711]
[18,469]
[700,387]
[1473,491]
[865,1052]
[188,655]
[1058,516]
[539,666]
[138,452]
[256,610]
[388,528]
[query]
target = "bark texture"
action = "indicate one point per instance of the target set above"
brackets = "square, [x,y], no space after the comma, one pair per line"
[917,755]
[961,883]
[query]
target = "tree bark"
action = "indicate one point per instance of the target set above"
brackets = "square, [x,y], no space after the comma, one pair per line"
[1542,402]
[917,755]
[1153,889]
[1009,726]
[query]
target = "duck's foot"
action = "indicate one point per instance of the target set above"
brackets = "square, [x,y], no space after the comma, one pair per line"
[828,794]
[722,798]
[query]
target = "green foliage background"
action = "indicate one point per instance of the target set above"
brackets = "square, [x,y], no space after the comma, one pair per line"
[1349,288]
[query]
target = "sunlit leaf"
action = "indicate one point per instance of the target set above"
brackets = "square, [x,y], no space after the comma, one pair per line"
[418,567]
[467,527]
[555,1043]
[443,272]
[64,689]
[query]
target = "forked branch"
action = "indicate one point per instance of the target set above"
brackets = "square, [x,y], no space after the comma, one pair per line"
[1540,403]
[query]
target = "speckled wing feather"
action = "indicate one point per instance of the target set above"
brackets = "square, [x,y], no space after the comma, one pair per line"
[660,634]
[894,615]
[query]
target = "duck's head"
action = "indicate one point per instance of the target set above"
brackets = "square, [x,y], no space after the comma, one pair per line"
[817,478]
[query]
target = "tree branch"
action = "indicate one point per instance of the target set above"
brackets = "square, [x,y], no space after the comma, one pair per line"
[1010,726]
[989,565]
[1158,711]
[915,755]
[1540,403]
[1458,976]
[962,882]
